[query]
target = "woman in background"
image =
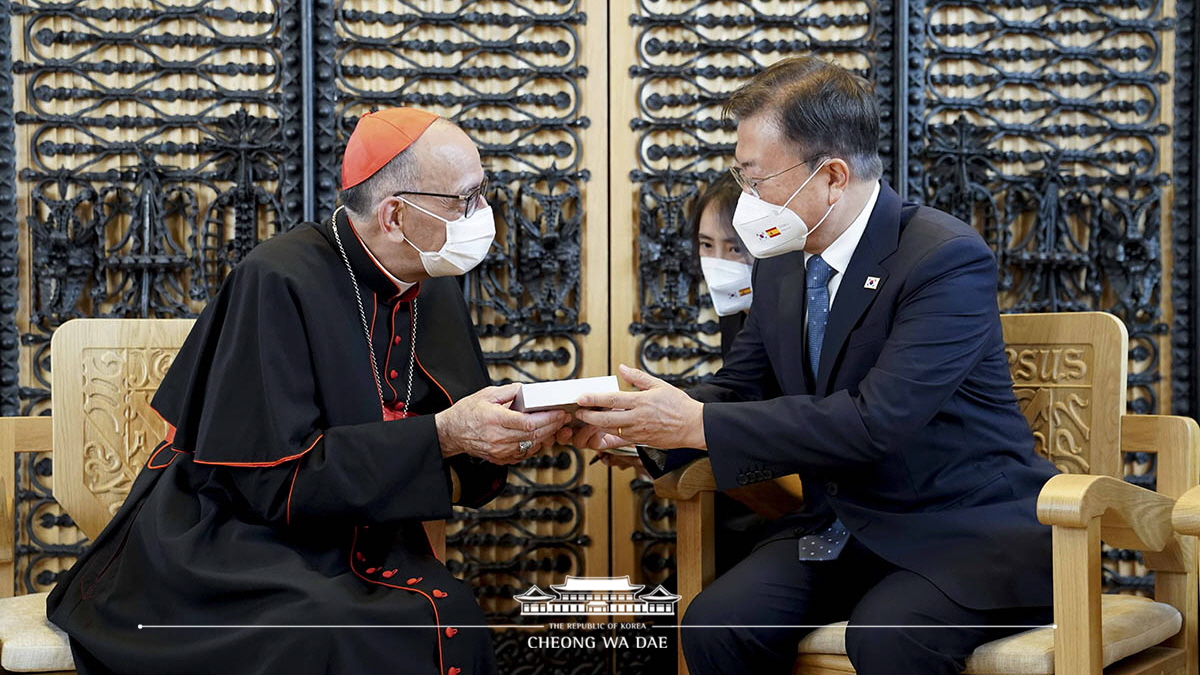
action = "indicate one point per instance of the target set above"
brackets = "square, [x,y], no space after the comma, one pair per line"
[724,261]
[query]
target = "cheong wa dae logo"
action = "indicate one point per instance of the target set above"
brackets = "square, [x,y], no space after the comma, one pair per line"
[596,595]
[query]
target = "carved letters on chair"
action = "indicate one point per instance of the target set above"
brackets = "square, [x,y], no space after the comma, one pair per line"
[1053,388]
[121,428]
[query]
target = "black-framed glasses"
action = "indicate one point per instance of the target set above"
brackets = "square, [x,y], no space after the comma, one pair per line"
[471,197]
[751,184]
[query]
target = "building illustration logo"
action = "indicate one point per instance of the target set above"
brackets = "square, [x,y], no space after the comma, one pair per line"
[597,595]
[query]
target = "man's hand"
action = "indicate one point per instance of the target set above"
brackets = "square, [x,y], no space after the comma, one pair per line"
[482,425]
[588,436]
[659,415]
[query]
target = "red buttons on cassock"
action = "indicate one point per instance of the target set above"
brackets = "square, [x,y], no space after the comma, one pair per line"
[389,574]
[396,340]
[451,632]
[453,670]
[414,580]
[372,570]
[359,556]
[393,374]
[439,594]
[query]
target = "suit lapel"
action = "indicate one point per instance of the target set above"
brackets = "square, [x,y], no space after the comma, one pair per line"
[853,297]
[790,318]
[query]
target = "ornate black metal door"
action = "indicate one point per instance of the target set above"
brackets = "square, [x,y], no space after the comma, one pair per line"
[152,145]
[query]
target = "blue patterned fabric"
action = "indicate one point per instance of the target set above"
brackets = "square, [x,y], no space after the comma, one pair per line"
[819,272]
[826,544]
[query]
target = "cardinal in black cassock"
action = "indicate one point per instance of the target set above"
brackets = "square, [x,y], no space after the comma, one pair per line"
[284,493]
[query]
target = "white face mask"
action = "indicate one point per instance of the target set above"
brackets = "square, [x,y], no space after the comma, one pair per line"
[769,230]
[728,284]
[467,242]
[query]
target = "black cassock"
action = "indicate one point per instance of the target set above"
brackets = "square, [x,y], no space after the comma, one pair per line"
[284,495]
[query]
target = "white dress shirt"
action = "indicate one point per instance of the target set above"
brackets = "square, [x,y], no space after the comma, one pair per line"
[837,255]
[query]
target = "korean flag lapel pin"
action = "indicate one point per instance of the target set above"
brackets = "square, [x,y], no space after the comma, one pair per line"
[872,283]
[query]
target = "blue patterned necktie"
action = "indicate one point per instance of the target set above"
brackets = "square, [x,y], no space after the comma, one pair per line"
[828,543]
[817,284]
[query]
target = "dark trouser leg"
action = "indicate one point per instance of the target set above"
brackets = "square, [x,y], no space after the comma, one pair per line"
[737,530]
[908,600]
[761,605]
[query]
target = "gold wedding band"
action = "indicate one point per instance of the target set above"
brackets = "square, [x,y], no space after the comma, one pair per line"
[621,432]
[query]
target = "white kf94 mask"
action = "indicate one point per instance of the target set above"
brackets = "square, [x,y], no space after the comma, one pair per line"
[467,242]
[769,230]
[728,284]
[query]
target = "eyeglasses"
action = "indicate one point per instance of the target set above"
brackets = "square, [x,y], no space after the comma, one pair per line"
[751,184]
[471,197]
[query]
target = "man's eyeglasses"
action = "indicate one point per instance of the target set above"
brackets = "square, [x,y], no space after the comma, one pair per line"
[472,197]
[751,184]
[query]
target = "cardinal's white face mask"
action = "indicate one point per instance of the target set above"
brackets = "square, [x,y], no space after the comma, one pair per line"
[728,284]
[769,230]
[467,242]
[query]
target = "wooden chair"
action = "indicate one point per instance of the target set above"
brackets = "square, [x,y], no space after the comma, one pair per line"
[1186,514]
[104,375]
[1069,374]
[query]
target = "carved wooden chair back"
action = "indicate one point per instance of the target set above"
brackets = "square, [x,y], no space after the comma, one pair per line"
[104,374]
[1069,374]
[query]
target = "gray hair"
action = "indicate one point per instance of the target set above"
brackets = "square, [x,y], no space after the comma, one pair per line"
[823,110]
[398,174]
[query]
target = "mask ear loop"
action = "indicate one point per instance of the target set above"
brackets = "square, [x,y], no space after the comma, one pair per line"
[827,211]
[806,181]
[822,220]
[424,211]
[434,215]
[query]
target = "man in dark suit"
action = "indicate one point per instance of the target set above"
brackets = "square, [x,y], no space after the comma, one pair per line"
[878,322]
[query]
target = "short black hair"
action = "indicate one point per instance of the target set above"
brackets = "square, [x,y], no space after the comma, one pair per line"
[723,194]
[821,108]
[398,174]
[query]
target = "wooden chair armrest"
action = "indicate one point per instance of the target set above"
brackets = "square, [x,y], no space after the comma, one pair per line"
[1131,517]
[687,481]
[1186,515]
[17,434]
[1083,510]
[770,499]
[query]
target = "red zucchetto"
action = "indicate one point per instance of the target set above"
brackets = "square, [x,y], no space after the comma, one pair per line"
[378,138]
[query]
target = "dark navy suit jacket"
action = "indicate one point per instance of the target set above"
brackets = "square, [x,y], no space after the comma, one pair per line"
[910,433]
